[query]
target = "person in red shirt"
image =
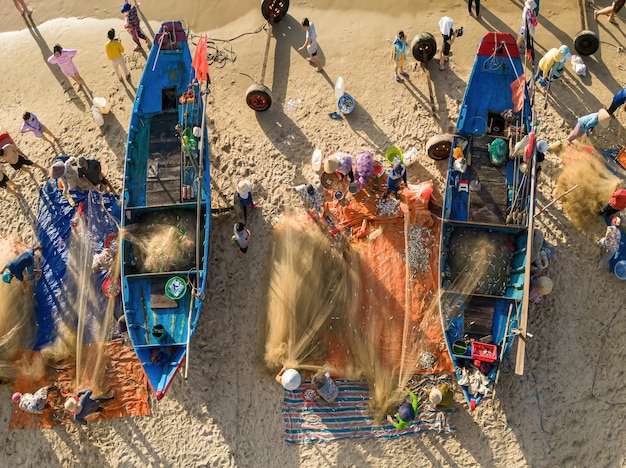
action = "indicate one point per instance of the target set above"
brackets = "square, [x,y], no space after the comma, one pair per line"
[615,204]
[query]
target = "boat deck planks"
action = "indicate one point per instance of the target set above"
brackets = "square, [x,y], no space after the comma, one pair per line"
[489,204]
[163,181]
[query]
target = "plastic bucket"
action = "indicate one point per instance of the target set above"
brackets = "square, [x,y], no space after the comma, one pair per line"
[346,104]
[620,269]
[377,166]
[459,348]
[393,155]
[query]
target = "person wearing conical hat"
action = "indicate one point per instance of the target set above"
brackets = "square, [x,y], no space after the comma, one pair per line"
[442,396]
[587,123]
[244,195]
[341,164]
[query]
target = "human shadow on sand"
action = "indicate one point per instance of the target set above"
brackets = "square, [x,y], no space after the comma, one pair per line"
[64,81]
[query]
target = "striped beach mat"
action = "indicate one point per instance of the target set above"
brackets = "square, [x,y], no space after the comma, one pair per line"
[347,417]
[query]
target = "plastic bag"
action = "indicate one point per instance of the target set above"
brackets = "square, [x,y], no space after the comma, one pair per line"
[498,150]
[578,65]
[460,165]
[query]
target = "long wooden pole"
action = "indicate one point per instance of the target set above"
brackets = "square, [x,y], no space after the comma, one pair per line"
[556,199]
[199,198]
[523,320]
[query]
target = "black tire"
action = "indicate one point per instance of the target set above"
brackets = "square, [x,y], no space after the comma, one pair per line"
[423,42]
[274,9]
[439,147]
[586,42]
[258,97]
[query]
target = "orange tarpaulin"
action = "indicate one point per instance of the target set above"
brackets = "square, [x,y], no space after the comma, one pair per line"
[399,303]
[122,374]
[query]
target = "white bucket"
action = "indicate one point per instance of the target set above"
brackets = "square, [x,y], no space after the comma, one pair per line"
[101,104]
[97,115]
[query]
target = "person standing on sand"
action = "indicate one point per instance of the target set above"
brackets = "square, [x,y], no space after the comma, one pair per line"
[33,403]
[115,53]
[85,406]
[610,242]
[63,58]
[616,204]
[6,183]
[32,124]
[406,412]
[133,26]
[11,154]
[446,26]
[244,196]
[241,238]
[22,8]
[587,123]
[615,7]
[469,7]
[529,21]
[310,43]
[399,56]
[15,268]
[618,100]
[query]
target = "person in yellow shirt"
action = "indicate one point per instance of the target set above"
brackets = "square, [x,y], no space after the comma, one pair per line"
[115,53]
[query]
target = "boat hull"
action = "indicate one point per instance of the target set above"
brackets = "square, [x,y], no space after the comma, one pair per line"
[166,186]
[487,213]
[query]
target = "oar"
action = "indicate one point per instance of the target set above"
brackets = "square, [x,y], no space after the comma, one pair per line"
[502,343]
[556,199]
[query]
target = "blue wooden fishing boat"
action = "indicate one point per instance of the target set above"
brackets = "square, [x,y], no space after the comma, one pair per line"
[486,231]
[166,178]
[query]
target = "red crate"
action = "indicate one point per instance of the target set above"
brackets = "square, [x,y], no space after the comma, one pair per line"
[484,352]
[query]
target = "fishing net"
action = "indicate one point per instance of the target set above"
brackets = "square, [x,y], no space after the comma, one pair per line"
[356,293]
[586,167]
[164,241]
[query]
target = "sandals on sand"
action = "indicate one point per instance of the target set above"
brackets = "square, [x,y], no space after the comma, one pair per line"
[398,79]
[405,74]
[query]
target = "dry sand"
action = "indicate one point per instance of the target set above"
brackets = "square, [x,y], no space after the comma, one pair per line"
[568,408]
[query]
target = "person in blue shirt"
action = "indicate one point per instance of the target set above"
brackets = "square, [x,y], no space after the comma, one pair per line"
[406,412]
[395,177]
[618,100]
[587,123]
[399,55]
[15,268]
[85,405]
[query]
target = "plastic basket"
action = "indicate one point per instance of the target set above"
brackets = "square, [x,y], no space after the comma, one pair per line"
[346,104]
[484,352]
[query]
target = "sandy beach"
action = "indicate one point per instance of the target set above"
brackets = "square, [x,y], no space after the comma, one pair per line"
[569,406]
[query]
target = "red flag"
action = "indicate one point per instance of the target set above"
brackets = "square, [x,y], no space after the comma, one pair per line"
[199,62]
[517,92]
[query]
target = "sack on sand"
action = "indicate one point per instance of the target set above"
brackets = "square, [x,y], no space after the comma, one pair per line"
[578,65]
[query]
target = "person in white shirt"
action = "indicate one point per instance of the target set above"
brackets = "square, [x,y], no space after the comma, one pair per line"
[311,44]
